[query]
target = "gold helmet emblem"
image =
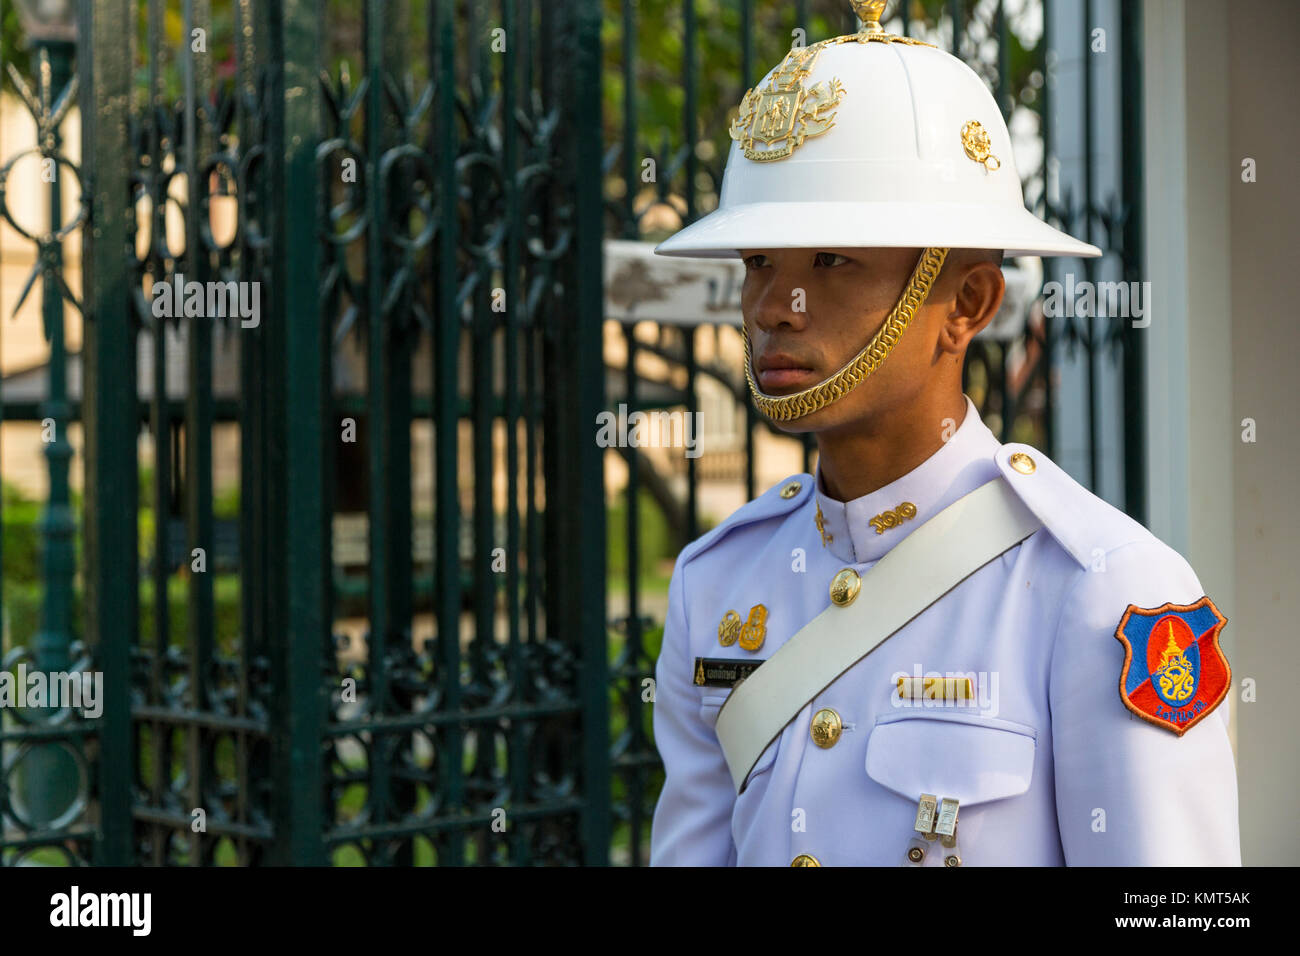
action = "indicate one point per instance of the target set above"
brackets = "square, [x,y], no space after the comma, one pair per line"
[783,114]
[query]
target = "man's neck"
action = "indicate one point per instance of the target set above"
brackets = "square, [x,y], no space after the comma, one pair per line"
[857,460]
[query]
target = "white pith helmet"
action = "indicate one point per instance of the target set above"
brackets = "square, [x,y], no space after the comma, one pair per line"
[869,140]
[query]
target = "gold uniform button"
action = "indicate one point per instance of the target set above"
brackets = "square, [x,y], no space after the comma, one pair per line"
[790,490]
[845,586]
[826,728]
[1022,463]
[803,859]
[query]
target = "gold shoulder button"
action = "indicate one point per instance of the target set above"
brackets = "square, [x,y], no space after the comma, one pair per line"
[805,859]
[1022,463]
[791,489]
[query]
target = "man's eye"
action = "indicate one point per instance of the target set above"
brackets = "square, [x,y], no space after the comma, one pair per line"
[752,262]
[829,259]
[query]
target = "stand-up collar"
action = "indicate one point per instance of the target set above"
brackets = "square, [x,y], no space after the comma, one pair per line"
[864,529]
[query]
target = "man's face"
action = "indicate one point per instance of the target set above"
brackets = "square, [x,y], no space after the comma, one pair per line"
[845,294]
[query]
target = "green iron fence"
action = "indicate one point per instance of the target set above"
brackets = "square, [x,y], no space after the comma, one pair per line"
[402,660]
[397,649]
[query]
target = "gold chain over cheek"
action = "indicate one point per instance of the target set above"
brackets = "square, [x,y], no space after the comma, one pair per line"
[785,408]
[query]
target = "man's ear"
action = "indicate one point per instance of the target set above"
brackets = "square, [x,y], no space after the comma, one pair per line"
[979,296]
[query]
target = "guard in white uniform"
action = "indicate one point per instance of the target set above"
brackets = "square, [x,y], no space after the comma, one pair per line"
[1035,679]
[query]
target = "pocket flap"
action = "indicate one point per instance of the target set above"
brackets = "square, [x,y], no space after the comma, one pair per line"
[970,759]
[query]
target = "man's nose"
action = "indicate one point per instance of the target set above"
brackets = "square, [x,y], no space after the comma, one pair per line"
[782,301]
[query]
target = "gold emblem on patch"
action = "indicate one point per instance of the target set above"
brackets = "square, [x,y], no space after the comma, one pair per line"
[783,114]
[1175,674]
[975,140]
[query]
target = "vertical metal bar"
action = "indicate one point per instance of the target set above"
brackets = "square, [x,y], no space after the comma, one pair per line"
[632,649]
[3,72]
[402,337]
[198,411]
[249,430]
[306,379]
[446,354]
[160,412]
[689,53]
[110,405]
[160,416]
[693,409]
[1049,265]
[482,399]
[518,769]
[1093,340]
[378,423]
[955,13]
[299,340]
[746,42]
[630,87]
[583,519]
[254,645]
[533,376]
[689,70]
[49,779]
[1004,96]
[266,397]
[1135,412]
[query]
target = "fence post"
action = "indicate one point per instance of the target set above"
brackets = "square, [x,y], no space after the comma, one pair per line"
[110,409]
[576,503]
[296,338]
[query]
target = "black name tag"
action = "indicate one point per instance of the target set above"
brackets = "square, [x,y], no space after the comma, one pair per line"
[722,671]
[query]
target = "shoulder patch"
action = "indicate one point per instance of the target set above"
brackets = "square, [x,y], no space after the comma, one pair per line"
[781,498]
[1175,673]
[1082,523]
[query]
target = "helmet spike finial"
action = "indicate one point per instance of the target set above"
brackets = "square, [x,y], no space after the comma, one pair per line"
[869,12]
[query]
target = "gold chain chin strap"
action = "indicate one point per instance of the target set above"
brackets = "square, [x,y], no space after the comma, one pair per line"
[785,408]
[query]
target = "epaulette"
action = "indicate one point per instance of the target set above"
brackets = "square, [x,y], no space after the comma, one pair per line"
[781,498]
[1083,524]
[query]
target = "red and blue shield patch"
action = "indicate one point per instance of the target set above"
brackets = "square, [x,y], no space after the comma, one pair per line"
[1174,671]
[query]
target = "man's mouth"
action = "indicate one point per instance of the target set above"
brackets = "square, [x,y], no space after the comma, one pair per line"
[780,372]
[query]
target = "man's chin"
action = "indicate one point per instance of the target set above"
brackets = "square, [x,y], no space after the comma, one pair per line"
[816,421]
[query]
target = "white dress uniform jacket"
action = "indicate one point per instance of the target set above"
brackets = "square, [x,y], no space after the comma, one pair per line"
[1048,764]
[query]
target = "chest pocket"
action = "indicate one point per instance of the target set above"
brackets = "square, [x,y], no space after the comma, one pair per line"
[967,758]
[710,704]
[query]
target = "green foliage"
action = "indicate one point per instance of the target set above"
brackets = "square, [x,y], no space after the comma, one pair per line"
[654,542]
[225,503]
[22,603]
[20,558]
[13,42]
